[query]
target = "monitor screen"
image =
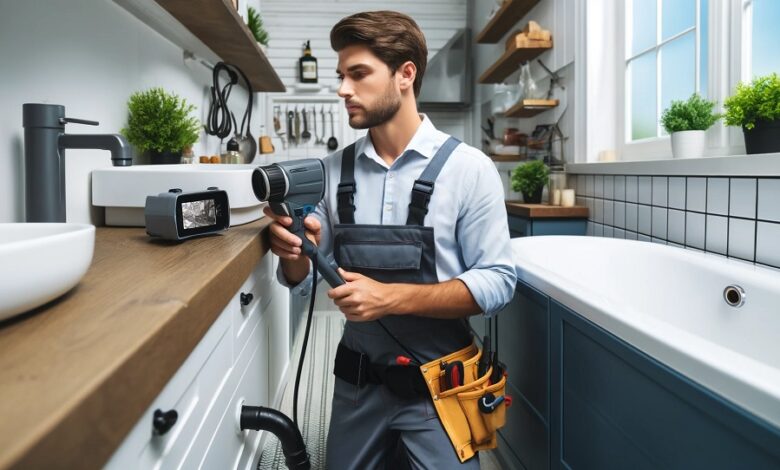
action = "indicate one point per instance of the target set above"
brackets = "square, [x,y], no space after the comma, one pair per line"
[199,213]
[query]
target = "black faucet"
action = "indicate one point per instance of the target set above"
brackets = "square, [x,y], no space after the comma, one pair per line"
[45,142]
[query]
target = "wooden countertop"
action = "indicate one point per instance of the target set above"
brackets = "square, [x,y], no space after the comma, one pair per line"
[542,211]
[76,374]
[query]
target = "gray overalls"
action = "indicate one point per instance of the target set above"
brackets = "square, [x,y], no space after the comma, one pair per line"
[368,420]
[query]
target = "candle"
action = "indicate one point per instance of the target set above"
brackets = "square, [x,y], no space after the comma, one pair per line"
[567,198]
[556,198]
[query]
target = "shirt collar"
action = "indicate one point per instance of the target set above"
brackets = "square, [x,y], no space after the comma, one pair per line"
[424,142]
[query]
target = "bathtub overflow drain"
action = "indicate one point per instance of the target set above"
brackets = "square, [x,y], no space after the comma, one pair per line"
[734,295]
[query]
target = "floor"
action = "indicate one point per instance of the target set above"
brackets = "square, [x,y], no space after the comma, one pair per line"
[316,391]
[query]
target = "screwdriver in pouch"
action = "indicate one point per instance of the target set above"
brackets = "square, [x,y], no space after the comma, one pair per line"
[453,374]
[484,359]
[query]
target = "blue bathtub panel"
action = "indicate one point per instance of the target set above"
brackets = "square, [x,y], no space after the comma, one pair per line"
[623,409]
[523,345]
[559,227]
[526,433]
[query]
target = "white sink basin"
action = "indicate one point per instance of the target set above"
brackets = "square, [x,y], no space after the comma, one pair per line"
[123,190]
[40,262]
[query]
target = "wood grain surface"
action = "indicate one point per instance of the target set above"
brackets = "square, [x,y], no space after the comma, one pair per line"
[545,211]
[77,373]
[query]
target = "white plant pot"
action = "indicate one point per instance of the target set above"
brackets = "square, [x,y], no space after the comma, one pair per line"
[688,144]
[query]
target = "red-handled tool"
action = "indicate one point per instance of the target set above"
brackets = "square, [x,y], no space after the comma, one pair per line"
[453,374]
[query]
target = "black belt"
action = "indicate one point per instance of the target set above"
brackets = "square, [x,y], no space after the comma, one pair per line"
[355,368]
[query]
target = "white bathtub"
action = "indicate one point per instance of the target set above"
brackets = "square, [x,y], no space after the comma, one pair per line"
[668,302]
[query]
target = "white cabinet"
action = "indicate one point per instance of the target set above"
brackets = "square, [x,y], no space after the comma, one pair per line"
[241,359]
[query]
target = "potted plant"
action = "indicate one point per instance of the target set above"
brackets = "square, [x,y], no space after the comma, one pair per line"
[686,121]
[160,124]
[529,179]
[756,107]
[255,24]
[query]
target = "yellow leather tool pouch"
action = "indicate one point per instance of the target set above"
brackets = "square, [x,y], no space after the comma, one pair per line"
[469,428]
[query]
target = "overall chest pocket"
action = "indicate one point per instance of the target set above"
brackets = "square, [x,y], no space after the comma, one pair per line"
[381,255]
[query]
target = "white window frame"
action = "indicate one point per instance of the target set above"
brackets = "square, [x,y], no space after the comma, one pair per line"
[728,42]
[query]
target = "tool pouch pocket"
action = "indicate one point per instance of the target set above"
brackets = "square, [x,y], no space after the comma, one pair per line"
[485,412]
[469,428]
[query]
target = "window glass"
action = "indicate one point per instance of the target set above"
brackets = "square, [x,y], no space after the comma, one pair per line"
[766,37]
[644,28]
[678,69]
[677,16]
[643,90]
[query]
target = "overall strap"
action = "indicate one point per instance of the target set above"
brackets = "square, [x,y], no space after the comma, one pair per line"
[345,197]
[423,186]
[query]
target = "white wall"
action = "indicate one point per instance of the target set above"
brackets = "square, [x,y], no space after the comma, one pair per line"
[88,55]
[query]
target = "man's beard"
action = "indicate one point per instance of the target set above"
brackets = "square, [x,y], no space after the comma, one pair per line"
[387,106]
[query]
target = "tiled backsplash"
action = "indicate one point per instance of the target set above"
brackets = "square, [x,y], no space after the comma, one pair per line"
[738,217]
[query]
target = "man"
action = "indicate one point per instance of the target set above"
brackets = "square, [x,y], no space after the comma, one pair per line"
[417,221]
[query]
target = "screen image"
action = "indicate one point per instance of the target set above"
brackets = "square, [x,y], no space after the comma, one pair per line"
[198,214]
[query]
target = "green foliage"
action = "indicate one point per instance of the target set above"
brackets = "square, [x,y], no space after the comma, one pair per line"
[255,24]
[160,121]
[529,177]
[759,101]
[695,114]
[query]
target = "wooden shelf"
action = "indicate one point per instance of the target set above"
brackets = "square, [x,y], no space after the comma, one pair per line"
[511,60]
[530,108]
[509,14]
[212,30]
[507,158]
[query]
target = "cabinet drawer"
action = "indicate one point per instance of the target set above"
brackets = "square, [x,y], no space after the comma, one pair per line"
[260,285]
[219,433]
[183,393]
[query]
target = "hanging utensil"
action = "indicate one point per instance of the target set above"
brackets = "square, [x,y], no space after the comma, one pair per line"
[297,126]
[306,134]
[324,124]
[278,126]
[290,135]
[333,143]
[317,138]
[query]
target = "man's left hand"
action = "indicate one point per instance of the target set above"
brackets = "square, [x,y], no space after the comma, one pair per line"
[362,298]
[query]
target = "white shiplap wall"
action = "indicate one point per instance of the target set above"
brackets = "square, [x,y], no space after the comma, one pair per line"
[290,23]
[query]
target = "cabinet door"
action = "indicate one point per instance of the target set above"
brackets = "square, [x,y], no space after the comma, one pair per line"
[519,227]
[523,345]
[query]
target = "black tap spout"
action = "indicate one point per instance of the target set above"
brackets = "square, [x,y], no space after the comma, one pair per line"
[121,152]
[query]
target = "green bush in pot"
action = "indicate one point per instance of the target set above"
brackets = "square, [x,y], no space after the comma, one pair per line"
[529,179]
[756,108]
[686,121]
[255,24]
[160,123]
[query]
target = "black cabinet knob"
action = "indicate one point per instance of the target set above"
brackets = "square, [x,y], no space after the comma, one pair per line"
[246,299]
[163,421]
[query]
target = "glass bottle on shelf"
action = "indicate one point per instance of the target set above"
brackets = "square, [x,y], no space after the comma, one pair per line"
[307,65]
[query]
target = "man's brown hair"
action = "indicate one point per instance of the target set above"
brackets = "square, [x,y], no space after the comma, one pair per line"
[393,37]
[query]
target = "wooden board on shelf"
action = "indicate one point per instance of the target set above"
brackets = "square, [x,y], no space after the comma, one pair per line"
[530,108]
[217,24]
[510,13]
[512,58]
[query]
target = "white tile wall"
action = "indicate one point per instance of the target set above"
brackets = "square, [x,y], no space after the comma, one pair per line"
[738,217]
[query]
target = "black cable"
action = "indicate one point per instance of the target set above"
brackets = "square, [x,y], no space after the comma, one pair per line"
[305,340]
[218,122]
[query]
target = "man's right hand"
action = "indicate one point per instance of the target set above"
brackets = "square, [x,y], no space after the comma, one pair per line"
[287,246]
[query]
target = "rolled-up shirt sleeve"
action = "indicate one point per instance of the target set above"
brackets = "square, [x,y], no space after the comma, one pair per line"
[483,235]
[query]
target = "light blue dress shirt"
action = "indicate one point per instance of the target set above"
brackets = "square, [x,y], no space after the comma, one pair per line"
[467,211]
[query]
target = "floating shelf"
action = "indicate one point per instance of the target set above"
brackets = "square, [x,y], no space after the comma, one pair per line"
[510,13]
[212,30]
[507,158]
[511,60]
[530,108]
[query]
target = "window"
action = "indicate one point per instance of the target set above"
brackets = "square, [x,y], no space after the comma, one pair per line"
[666,59]
[761,37]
